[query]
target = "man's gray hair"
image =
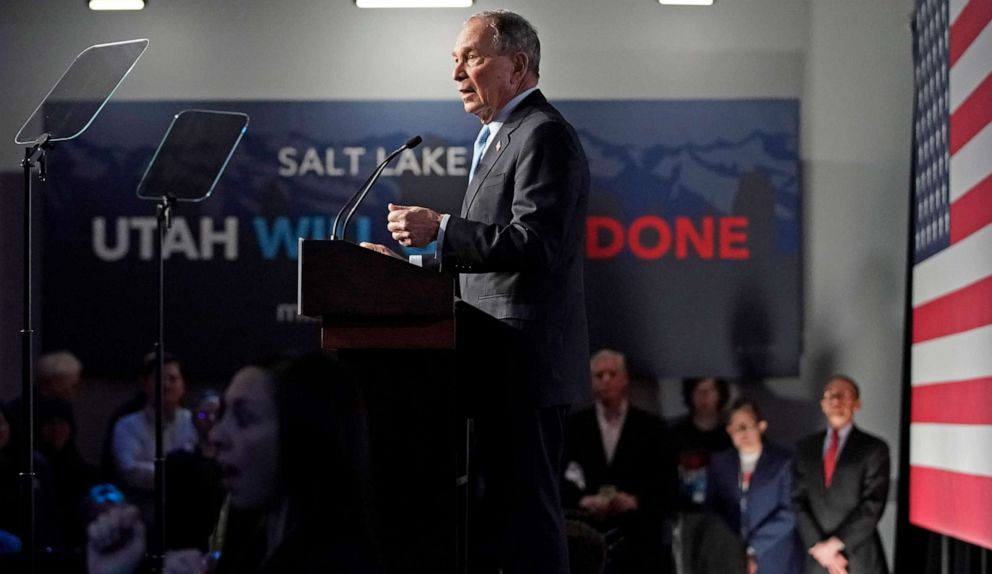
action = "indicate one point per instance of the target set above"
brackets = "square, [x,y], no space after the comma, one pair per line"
[58,363]
[512,33]
[610,354]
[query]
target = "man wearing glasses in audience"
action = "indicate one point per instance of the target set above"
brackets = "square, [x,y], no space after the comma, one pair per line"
[842,482]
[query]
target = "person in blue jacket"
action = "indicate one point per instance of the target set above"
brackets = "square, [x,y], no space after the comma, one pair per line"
[750,486]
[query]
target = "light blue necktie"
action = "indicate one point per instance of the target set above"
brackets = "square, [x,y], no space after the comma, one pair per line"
[480,144]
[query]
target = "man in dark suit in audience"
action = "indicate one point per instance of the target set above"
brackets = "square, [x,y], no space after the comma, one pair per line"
[619,471]
[842,481]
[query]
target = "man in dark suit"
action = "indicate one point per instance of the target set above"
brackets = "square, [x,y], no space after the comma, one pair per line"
[842,481]
[619,470]
[517,247]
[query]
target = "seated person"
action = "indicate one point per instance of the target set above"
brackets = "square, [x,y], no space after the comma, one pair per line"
[71,474]
[133,446]
[618,470]
[58,376]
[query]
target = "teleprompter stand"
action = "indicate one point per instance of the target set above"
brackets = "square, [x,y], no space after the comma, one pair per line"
[186,168]
[65,113]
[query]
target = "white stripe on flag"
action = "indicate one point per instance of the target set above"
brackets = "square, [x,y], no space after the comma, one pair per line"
[958,357]
[962,264]
[971,68]
[972,163]
[956,7]
[956,448]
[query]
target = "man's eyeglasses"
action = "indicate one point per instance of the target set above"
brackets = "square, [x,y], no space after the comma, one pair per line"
[741,428]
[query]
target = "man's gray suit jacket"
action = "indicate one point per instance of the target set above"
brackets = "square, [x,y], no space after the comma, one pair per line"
[518,245]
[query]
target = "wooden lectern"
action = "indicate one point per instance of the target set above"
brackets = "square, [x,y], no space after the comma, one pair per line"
[426,360]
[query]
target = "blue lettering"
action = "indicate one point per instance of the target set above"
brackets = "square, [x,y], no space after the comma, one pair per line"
[281,236]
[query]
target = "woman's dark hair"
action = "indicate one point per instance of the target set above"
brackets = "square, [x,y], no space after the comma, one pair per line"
[321,426]
[321,418]
[746,404]
[689,385]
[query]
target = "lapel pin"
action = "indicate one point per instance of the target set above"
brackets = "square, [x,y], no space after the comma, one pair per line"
[499,144]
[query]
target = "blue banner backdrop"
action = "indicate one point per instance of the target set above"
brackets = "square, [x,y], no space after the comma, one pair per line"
[693,237]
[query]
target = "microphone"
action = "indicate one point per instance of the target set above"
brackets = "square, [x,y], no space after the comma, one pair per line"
[360,195]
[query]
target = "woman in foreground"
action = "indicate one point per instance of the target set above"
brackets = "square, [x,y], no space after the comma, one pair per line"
[277,427]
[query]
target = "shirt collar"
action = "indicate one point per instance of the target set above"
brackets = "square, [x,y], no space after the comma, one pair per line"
[842,434]
[601,412]
[504,114]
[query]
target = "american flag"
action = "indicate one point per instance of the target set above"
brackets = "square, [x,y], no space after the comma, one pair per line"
[951,418]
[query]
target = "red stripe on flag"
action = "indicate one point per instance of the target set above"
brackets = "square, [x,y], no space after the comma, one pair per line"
[958,403]
[968,25]
[962,310]
[973,114]
[972,211]
[951,503]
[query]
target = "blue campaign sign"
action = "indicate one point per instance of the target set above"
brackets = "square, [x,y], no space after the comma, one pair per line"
[693,237]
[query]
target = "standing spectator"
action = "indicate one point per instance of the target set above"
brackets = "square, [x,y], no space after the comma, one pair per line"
[750,486]
[842,482]
[134,436]
[619,470]
[700,434]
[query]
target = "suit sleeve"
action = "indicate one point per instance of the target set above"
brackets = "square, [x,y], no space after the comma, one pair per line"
[810,531]
[547,179]
[657,479]
[578,442]
[779,524]
[723,495]
[861,523]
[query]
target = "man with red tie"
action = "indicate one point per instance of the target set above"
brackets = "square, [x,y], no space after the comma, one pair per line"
[842,481]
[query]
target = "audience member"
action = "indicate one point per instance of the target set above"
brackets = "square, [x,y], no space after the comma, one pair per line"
[700,434]
[287,513]
[841,485]
[9,486]
[750,486]
[12,462]
[133,445]
[193,483]
[72,476]
[135,403]
[58,375]
[619,470]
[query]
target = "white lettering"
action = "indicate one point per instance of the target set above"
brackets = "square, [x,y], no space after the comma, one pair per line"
[332,169]
[228,238]
[100,239]
[457,160]
[179,239]
[431,165]
[287,162]
[408,162]
[354,153]
[311,162]
[146,227]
